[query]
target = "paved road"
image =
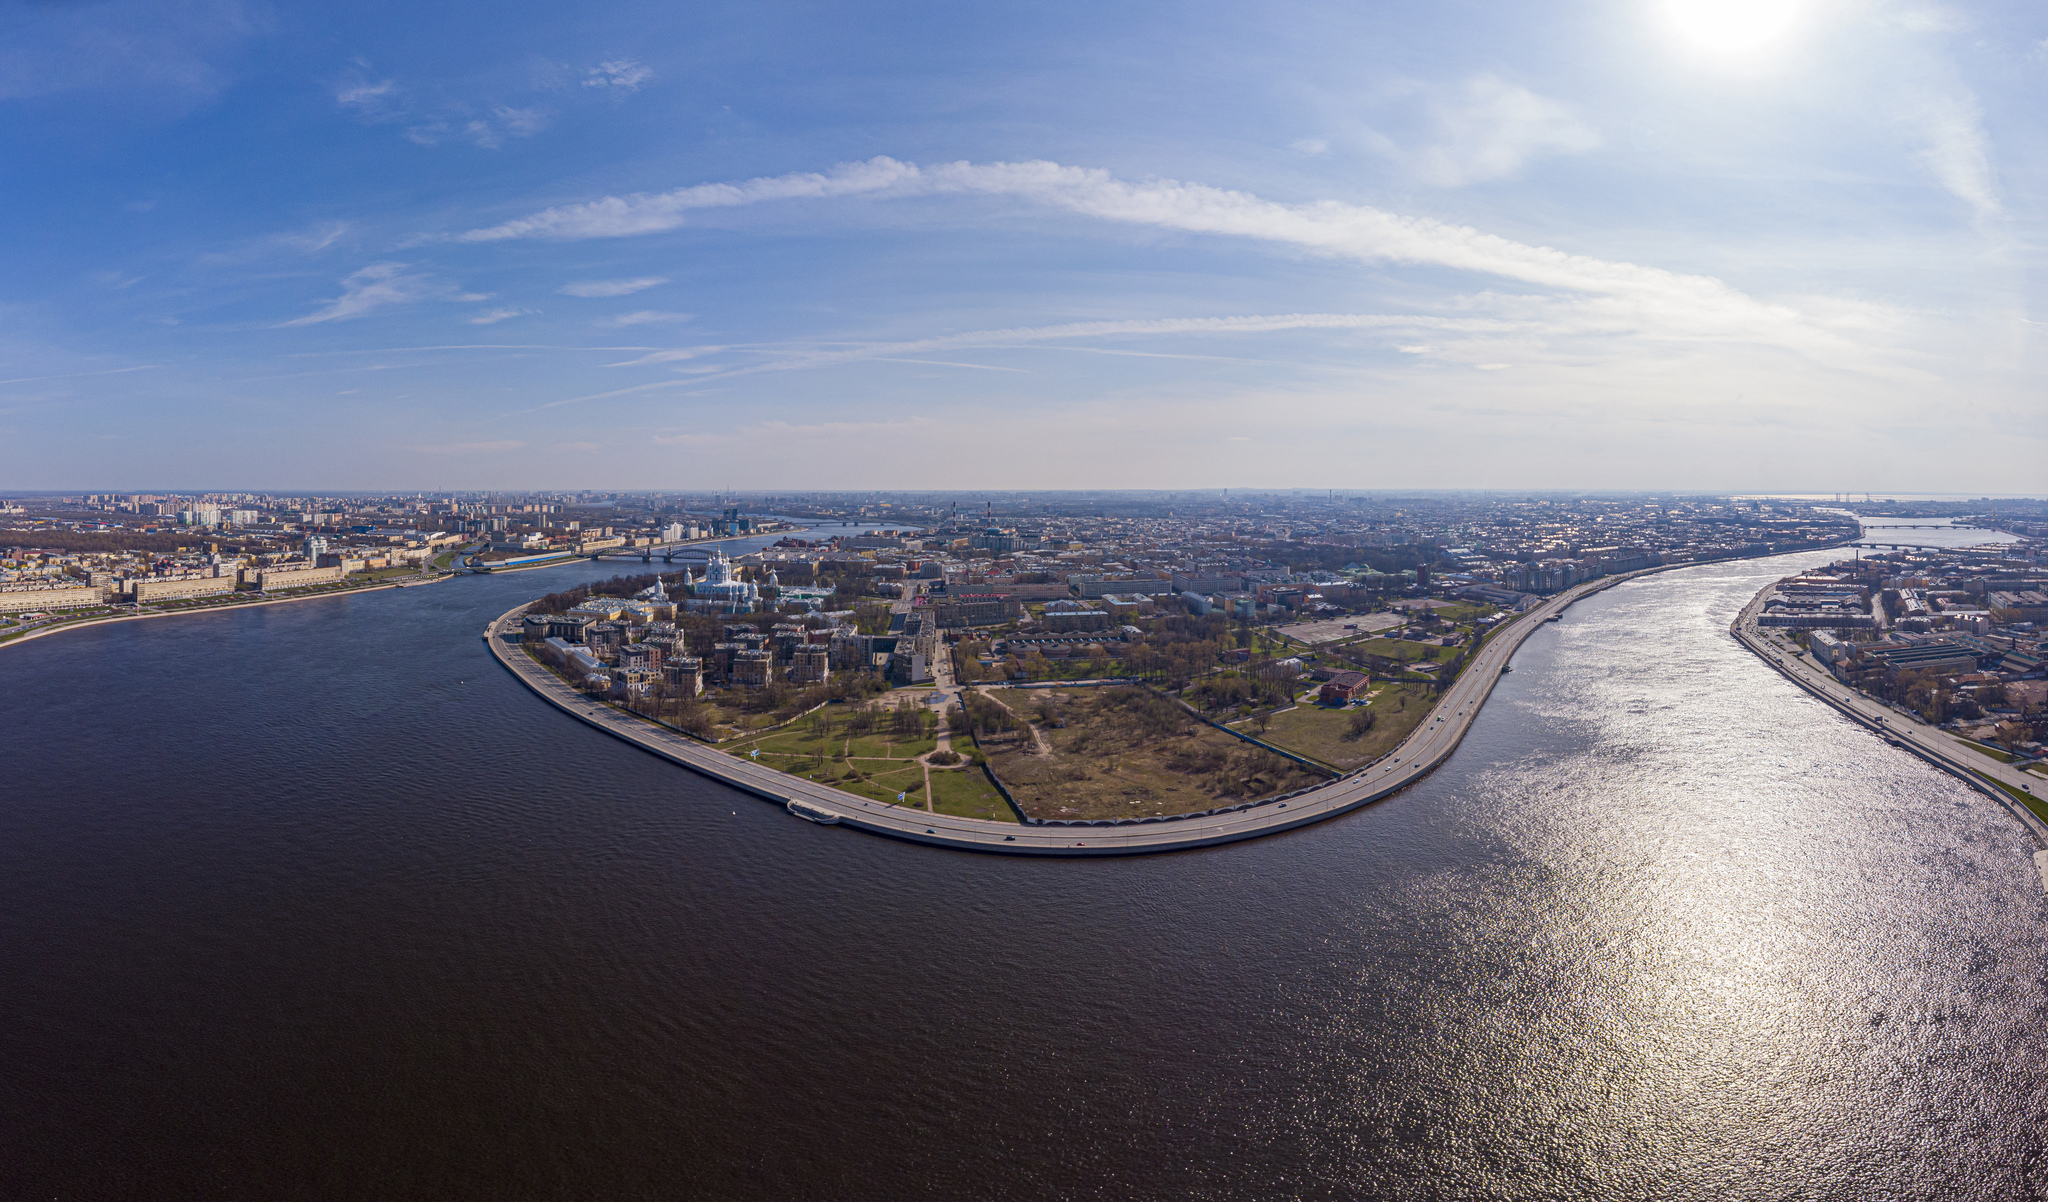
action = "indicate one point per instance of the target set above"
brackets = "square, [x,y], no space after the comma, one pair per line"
[1416,757]
[1896,726]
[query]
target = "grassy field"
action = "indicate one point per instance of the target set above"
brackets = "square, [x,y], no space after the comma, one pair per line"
[1987,749]
[1127,753]
[1318,733]
[966,793]
[1402,650]
[2039,805]
[876,766]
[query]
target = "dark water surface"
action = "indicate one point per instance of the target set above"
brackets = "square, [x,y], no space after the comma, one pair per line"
[314,901]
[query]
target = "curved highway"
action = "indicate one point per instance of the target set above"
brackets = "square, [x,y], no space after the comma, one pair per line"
[1428,746]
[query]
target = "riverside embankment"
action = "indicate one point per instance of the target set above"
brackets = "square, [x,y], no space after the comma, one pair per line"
[222,606]
[1900,728]
[1416,757]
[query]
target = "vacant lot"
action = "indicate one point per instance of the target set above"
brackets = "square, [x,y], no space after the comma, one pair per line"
[1124,752]
[1349,627]
[1402,649]
[1324,734]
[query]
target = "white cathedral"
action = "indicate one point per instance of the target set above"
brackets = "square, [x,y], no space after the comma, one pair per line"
[719,588]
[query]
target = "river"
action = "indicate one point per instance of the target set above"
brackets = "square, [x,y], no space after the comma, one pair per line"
[315,901]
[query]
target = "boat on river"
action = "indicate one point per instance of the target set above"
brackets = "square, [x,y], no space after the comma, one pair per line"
[810,812]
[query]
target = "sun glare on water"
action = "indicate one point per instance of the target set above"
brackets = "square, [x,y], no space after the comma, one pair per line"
[1732,26]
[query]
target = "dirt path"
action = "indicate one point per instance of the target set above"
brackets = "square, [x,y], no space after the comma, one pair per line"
[1039,741]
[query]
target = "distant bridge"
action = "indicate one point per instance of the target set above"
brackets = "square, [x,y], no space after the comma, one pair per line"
[695,553]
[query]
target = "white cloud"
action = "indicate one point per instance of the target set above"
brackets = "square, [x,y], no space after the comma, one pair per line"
[1309,146]
[619,216]
[801,360]
[1947,124]
[596,288]
[947,363]
[379,285]
[385,102]
[674,356]
[317,238]
[621,73]
[1489,131]
[369,97]
[1691,306]
[490,317]
[520,123]
[647,317]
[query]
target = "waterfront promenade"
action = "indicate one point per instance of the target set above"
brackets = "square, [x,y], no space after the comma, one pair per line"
[1424,749]
[1896,726]
[223,604]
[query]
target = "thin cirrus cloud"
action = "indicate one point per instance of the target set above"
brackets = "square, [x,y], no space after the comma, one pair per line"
[647,317]
[1694,306]
[1487,130]
[602,288]
[171,49]
[621,74]
[379,286]
[1948,125]
[431,122]
[801,359]
[491,317]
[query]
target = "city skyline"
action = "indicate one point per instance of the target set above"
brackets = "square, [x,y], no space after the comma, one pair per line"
[1660,246]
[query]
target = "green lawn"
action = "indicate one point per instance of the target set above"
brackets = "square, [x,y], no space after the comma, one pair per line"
[2039,805]
[889,747]
[1989,750]
[966,793]
[884,786]
[1318,733]
[880,767]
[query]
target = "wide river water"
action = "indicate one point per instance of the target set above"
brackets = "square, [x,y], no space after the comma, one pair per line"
[315,901]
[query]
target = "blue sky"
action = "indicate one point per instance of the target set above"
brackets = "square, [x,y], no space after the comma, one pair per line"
[1695,244]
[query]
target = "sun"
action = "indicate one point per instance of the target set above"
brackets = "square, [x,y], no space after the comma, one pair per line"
[1733,26]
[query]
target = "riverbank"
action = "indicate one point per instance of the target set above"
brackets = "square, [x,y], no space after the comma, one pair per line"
[1415,758]
[60,628]
[1901,729]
